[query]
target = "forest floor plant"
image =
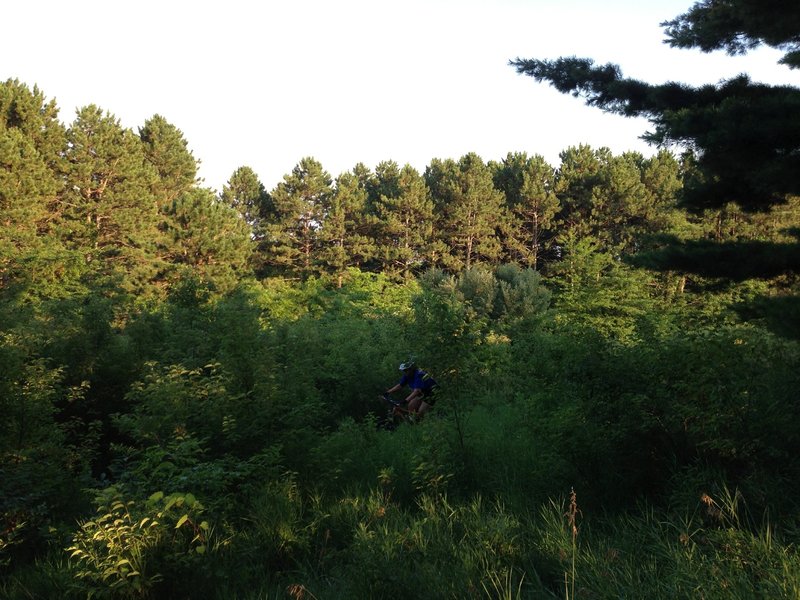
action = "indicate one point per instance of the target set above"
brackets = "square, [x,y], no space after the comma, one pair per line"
[572,521]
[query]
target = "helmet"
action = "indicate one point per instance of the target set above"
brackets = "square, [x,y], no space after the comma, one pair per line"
[409,364]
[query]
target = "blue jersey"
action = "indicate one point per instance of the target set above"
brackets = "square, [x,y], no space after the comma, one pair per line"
[419,380]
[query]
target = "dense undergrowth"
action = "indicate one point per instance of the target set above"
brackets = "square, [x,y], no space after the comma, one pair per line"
[189,380]
[225,446]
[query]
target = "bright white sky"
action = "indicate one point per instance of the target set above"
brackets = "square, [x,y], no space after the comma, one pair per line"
[267,83]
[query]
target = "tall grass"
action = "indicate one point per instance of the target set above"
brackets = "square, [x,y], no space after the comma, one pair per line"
[713,551]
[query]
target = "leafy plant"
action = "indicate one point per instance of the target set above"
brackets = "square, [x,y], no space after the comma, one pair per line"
[124,550]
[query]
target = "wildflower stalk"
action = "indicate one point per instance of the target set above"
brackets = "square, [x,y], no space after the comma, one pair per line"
[572,519]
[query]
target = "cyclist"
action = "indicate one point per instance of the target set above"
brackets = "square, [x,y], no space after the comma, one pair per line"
[422,386]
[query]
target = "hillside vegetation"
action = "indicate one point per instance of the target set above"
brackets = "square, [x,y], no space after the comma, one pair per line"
[189,380]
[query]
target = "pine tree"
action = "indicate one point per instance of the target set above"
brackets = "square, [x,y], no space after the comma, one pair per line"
[168,151]
[109,210]
[620,202]
[36,118]
[208,239]
[745,134]
[245,193]
[343,237]
[577,177]
[661,175]
[607,198]
[385,182]
[32,141]
[529,187]
[405,224]
[301,202]
[738,26]
[663,180]
[471,210]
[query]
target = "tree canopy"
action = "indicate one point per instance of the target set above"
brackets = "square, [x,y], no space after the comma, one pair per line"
[744,134]
[738,26]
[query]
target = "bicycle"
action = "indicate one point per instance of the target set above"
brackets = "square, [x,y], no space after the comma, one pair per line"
[397,413]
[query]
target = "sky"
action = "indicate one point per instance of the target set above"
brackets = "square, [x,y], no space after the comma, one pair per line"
[264,84]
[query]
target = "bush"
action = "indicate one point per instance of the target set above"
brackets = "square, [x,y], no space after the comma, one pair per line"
[130,547]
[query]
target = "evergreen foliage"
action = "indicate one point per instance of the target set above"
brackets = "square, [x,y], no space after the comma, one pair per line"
[344,236]
[300,204]
[738,26]
[405,229]
[742,132]
[471,210]
[247,196]
[108,209]
[209,237]
[529,188]
[167,150]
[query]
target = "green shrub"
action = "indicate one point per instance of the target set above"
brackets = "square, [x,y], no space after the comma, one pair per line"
[130,546]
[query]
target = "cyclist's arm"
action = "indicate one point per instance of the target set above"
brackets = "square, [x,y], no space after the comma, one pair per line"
[394,388]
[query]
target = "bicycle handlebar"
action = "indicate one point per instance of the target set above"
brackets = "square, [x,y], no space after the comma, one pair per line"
[391,400]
